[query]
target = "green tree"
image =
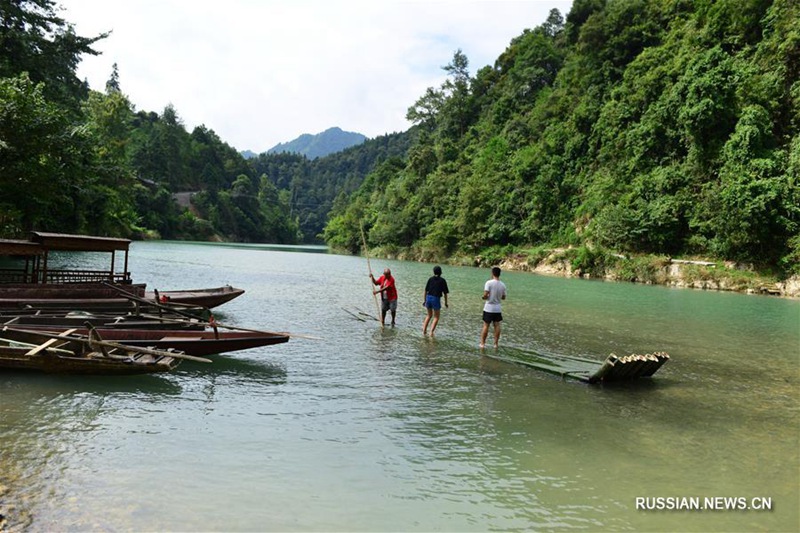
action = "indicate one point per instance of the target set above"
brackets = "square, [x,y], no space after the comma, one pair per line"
[34,39]
[34,133]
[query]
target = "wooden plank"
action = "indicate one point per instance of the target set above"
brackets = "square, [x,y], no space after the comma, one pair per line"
[48,343]
[122,347]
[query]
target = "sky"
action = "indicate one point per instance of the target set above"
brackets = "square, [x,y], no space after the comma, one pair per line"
[262,72]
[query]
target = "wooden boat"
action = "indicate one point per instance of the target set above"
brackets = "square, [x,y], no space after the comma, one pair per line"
[118,306]
[70,353]
[90,295]
[197,343]
[37,283]
[80,319]
[209,298]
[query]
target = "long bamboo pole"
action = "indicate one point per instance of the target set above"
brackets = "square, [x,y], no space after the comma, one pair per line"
[369,267]
[232,328]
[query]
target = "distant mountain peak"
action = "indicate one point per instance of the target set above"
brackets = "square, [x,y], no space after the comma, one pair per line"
[325,143]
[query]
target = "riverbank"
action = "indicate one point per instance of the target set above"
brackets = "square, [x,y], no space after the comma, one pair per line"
[583,262]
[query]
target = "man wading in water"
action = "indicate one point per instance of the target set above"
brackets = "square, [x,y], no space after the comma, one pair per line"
[434,289]
[493,292]
[388,294]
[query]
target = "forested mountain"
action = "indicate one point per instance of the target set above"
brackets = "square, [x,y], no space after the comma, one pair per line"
[75,160]
[314,186]
[328,142]
[655,126]
[633,126]
[231,200]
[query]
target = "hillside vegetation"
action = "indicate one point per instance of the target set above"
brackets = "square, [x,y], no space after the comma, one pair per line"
[83,161]
[628,128]
[636,126]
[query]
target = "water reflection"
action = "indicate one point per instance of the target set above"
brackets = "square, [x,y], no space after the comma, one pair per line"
[46,422]
[371,429]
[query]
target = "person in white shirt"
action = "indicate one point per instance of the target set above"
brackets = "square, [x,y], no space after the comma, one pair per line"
[493,292]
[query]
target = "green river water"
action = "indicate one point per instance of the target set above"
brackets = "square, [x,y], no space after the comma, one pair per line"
[371,430]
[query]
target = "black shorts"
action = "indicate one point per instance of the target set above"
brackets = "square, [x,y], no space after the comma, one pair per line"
[492,317]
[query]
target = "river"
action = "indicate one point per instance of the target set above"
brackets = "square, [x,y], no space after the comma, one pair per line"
[364,429]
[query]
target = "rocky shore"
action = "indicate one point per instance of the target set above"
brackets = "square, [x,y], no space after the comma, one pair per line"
[692,274]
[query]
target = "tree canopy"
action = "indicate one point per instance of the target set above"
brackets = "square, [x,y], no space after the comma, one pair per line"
[641,126]
[656,126]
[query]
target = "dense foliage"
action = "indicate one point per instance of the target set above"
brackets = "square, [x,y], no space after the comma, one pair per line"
[655,126]
[76,160]
[83,161]
[314,186]
[47,161]
[661,126]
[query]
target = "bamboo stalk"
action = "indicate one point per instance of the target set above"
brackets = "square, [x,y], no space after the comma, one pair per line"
[640,363]
[650,366]
[621,370]
[604,370]
[559,371]
[634,364]
[662,358]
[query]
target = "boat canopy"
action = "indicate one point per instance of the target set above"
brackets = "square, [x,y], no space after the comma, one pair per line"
[13,247]
[79,243]
[50,242]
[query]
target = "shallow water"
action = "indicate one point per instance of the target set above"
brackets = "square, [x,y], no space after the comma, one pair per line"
[371,430]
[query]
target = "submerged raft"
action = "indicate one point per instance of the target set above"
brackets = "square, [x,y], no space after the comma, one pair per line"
[613,369]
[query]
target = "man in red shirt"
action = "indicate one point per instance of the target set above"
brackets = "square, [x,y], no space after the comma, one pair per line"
[388,293]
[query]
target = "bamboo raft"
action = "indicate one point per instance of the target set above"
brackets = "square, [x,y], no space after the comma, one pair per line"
[613,369]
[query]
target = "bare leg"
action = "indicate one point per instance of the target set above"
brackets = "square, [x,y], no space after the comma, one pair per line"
[435,321]
[484,334]
[425,324]
[383,318]
[496,334]
[393,316]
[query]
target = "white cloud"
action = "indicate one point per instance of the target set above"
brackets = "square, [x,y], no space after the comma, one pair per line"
[260,72]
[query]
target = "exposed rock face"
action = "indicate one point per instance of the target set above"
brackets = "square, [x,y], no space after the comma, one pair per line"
[790,287]
[674,274]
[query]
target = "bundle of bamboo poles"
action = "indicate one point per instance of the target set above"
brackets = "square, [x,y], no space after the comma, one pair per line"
[629,367]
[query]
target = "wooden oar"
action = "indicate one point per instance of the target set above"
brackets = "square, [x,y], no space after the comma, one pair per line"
[369,267]
[123,347]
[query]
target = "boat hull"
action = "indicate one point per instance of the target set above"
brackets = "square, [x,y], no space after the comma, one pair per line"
[66,352]
[197,343]
[92,295]
[209,298]
[50,363]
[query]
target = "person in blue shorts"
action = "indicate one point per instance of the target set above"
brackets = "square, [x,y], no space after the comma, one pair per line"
[434,289]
